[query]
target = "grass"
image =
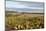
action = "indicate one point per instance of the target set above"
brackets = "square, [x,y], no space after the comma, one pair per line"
[22,21]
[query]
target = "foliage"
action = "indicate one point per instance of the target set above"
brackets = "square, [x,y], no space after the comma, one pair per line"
[23,22]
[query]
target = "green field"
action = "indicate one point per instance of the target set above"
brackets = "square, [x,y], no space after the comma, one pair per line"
[24,21]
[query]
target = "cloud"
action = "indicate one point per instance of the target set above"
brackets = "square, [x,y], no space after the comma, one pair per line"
[29,5]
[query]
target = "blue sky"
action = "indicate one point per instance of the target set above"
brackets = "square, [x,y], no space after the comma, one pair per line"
[11,4]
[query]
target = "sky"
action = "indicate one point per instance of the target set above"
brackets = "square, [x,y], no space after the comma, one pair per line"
[28,0]
[25,6]
[29,5]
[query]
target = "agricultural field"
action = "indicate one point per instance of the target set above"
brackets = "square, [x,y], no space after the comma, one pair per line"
[24,21]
